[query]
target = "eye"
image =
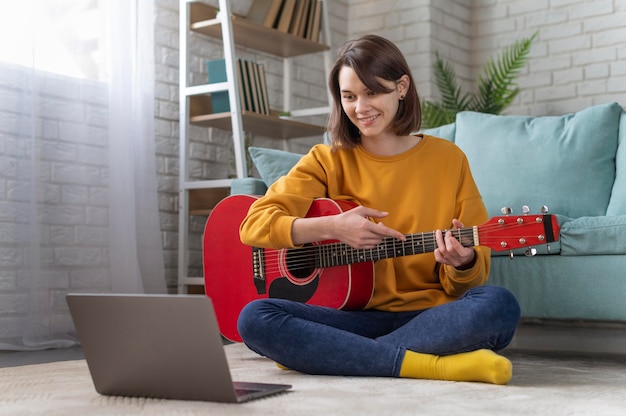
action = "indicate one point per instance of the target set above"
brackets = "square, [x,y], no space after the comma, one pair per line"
[347,97]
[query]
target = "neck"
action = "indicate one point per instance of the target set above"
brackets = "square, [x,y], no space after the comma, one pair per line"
[339,254]
[389,145]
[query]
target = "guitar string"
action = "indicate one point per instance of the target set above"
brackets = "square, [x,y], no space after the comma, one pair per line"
[388,246]
[426,239]
[304,257]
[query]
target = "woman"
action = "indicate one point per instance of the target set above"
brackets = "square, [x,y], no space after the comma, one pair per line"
[430,315]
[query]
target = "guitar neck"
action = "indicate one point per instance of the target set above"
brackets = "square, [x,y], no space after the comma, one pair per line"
[341,254]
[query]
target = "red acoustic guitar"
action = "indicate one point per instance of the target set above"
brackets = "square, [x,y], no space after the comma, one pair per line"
[327,273]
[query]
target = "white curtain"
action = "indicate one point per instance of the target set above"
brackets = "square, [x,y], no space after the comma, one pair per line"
[78,192]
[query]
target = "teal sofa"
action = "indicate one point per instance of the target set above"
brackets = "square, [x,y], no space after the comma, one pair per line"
[575,165]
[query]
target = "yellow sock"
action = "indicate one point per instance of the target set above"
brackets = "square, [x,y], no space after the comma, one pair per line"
[282,367]
[481,365]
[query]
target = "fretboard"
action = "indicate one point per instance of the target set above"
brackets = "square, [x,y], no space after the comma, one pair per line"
[340,254]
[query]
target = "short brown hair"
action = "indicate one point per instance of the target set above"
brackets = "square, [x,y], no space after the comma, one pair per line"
[371,57]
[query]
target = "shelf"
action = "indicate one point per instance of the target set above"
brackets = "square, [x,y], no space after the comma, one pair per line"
[261,124]
[195,285]
[202,201]
[251,34]
[200,22]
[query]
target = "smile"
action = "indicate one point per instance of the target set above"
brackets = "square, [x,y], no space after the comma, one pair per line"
[368,119]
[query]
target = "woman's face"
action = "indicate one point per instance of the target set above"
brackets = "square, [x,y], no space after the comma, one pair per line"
[371,112]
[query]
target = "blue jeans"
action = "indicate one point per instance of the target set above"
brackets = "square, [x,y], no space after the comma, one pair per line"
[320,340]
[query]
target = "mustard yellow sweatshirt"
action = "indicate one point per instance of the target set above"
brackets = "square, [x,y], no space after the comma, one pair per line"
[423,189]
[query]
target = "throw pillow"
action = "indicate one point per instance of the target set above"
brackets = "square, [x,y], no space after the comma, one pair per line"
[445,132]
[272,163]
[565,162]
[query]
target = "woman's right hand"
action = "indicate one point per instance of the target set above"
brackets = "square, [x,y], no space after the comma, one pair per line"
[353,227]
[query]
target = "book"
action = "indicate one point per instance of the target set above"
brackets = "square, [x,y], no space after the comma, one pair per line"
[305,19]
[259,92]
[220,101]
[286,14]
[297,17]
[309,23]
[272,14]
[251,84]
[264,95]
[258,10]
[251,67]
[317,22]
[216,71]
[242,93]
[245,86]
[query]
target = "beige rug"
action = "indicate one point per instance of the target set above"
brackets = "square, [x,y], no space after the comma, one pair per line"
[541,386]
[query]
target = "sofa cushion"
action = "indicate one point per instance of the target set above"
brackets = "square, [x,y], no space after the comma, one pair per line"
[272,163]
[558,287]
[565,162]
[617,205]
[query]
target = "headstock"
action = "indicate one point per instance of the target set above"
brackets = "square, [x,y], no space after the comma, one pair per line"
[509,231]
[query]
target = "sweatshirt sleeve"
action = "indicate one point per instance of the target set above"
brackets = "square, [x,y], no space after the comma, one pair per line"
[269,220]
[456,282]
[470,211]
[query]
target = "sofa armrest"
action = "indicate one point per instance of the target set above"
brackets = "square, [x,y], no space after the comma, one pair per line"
[248,186]
[594,236]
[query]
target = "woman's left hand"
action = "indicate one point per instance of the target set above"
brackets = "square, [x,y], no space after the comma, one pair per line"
[450,251]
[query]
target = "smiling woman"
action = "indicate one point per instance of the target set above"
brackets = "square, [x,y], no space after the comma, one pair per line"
[77,179]
[426,315]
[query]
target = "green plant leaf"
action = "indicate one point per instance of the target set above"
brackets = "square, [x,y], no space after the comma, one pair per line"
[496,87]
[434,115]
[496,84]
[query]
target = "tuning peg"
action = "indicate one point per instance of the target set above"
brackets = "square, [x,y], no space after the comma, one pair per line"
[544,209]
[511,255]
[529,252]
[525,209]
[506,211]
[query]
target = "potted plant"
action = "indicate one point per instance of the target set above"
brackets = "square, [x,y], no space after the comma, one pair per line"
[496,86]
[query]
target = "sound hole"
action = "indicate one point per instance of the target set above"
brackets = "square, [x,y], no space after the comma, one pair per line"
[301,262]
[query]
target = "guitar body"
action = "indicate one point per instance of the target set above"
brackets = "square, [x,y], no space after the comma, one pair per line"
[233,279]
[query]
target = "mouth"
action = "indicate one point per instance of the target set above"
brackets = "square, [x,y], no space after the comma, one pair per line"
[368,120]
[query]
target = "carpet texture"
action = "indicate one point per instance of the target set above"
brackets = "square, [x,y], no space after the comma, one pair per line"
[541,385]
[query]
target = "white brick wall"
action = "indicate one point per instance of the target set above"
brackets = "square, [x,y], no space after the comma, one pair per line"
[578,59]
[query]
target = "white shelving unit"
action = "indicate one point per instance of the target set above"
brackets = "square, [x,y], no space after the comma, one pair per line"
[198,197]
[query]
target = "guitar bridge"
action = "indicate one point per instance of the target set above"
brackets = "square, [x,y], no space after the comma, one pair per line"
[258,270]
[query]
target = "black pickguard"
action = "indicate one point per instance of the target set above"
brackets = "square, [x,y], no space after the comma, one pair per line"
[283,288]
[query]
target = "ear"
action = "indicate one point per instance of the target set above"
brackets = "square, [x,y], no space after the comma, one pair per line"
[403,84]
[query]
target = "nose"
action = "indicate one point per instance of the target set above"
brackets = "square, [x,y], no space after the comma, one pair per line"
[362,105]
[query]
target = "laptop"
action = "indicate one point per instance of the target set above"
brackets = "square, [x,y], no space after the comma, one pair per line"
[160,346]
